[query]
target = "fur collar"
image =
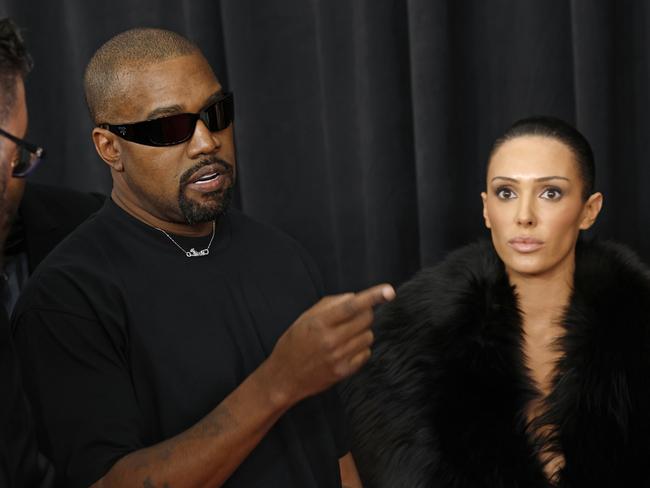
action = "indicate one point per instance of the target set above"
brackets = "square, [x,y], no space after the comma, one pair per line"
[442,401]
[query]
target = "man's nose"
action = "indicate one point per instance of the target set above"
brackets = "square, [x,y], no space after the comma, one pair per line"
[203,141]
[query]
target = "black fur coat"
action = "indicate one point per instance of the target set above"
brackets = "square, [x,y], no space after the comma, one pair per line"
[442,401]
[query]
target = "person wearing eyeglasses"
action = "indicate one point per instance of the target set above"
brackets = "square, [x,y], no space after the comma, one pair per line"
[36,216]
[171,340]
[21,465]
[24,156]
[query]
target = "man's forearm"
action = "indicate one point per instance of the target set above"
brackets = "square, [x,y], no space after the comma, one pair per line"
[210,451]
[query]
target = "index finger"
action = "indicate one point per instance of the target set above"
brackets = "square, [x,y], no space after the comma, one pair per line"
[361,302]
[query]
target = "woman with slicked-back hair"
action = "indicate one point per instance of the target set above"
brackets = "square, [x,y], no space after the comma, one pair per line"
[523,361]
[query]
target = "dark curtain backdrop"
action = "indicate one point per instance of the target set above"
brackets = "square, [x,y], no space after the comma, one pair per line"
[363,125]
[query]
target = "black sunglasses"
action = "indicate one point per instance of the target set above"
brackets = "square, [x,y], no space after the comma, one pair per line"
[175,129]
[29,155]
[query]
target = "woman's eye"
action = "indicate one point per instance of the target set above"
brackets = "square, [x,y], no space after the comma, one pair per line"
[552,194]
[505,193]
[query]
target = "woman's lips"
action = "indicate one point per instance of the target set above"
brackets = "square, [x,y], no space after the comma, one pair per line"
[525,244]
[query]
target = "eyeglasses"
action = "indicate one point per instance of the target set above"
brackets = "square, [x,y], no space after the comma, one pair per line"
[29,155]
[176,129]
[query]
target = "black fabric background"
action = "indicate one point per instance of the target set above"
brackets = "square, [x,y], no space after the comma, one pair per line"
[363,125]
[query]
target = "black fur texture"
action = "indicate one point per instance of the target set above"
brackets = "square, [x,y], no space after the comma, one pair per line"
[442,401]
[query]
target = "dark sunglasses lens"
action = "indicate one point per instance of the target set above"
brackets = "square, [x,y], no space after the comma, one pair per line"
[175,129]
[219,115]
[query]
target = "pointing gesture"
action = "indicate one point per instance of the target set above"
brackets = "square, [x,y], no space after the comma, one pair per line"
[328,342]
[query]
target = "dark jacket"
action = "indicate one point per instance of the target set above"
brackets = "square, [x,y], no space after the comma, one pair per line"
[21,465]
[442,401]
[48,214]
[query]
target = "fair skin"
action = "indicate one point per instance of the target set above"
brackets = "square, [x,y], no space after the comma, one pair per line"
[535,209]
[12,188]
[326,344]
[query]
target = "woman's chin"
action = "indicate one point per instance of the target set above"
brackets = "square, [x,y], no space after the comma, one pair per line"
[526,264]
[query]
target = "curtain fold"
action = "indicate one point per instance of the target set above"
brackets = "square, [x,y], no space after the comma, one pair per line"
[363,126]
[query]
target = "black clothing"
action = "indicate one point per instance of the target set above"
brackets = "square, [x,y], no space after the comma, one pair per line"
[21,466]
[15,272]
[46,215]
[443,400]
[127,342]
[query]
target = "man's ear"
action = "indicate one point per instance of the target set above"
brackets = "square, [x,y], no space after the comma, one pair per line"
[109,148]
[485,212]
[591,210]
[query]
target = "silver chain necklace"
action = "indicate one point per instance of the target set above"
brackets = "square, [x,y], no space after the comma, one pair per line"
[192,253]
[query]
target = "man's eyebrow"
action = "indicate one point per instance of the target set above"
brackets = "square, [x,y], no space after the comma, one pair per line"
[538,180]
[163,111]
[178,109]
[213,98]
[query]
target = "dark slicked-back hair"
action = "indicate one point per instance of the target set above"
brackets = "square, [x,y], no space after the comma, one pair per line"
[132,49]
[14,62]
[558,129]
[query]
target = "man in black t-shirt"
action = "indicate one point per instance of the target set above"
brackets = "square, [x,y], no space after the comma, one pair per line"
[168,342]
[20,463]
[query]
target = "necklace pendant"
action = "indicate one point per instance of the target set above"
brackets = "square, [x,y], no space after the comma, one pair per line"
[193,253]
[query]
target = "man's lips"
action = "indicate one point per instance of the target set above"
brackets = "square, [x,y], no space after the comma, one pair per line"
[206,173]
[209,178]
[525,244]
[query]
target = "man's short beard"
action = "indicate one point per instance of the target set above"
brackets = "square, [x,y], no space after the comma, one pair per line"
[196,212]
[215,203]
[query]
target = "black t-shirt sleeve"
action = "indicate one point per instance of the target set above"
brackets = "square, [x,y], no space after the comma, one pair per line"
[77,378]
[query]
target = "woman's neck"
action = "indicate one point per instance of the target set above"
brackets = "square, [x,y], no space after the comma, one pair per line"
[544,295]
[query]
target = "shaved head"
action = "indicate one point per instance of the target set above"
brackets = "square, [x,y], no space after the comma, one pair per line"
[127,52]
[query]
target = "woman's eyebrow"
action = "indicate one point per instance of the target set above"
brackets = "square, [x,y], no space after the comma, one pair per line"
[542,179]
[549,178]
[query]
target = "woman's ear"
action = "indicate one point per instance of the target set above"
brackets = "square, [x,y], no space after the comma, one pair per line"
[591,210]
[485,212]
[109,148]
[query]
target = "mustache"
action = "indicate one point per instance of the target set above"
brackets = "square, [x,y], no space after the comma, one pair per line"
[224,168]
